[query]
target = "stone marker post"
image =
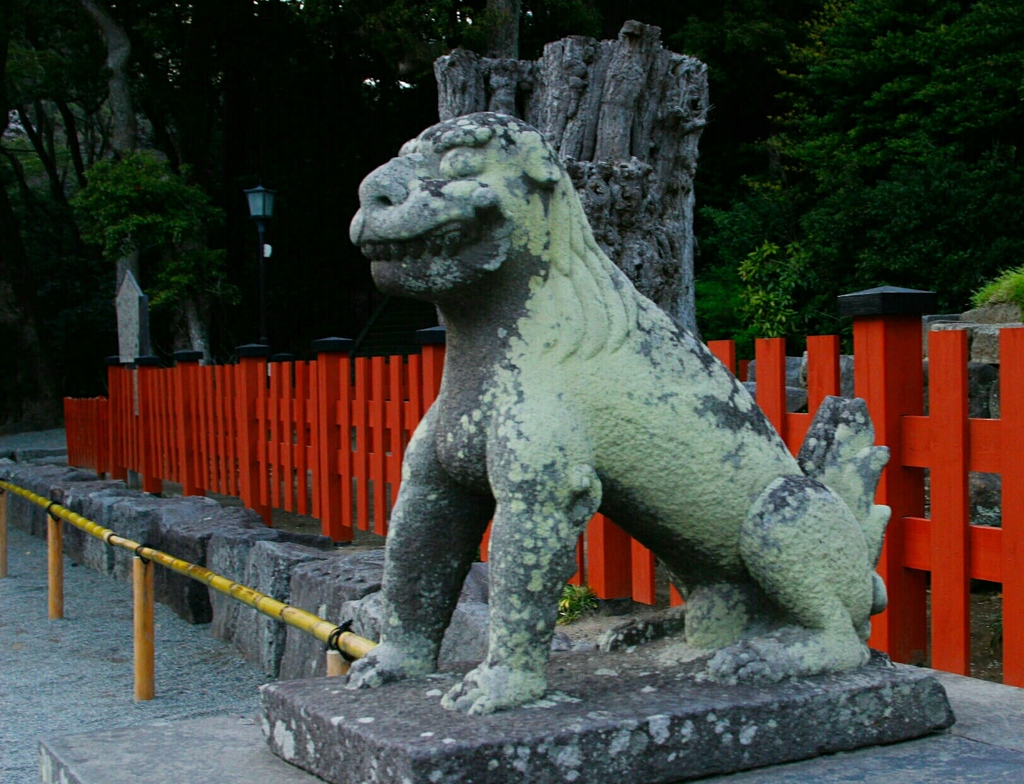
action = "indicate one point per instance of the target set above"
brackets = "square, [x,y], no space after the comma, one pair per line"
[132,320]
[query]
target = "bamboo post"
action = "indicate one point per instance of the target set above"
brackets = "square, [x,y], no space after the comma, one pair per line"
[336,665]
[142,585]
[55,564]
[3,535]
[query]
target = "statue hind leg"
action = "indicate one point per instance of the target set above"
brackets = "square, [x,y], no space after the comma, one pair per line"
[803,546]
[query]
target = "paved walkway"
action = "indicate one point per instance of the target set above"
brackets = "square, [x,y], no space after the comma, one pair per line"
[75,675]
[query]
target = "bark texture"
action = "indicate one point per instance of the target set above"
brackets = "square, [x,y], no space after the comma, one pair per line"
[124,128]
[625,117]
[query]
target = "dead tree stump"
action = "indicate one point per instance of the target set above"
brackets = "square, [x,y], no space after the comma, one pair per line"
[625,116]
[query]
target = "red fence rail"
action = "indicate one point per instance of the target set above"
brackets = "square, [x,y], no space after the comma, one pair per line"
[326,437]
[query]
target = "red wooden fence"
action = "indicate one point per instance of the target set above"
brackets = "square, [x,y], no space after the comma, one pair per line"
[326,437]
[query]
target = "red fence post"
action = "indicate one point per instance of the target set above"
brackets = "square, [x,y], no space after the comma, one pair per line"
[252,377]
[771,380]
[116,463]
[1011,412]
[725,351]
[950,512]
[188,422]
[889,376]
[433,342]
[148,366]
[823,376]
[609,559]
[332,370]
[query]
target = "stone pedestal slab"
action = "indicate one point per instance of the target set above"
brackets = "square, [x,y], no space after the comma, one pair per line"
[639,716]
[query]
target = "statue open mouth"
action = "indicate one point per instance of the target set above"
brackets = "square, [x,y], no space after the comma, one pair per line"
[446,240]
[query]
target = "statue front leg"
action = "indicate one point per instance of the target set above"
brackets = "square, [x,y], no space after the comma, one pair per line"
[533,547]
[436,528]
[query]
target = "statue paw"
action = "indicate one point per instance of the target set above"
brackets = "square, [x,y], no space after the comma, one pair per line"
[789,653]
[488,689]
[755,662]
[386,664]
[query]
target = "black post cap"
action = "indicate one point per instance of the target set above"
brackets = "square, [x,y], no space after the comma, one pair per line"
[435,336]
[187,356]
[331,346]
[284,356]
[253,350]
[149,360]
[112,361]
[887,301]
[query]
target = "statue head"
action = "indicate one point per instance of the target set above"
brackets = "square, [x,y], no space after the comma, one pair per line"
[451,208]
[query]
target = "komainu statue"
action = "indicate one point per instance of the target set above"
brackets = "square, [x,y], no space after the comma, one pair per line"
[565,393]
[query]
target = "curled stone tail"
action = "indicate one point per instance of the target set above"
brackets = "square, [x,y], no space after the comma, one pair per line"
[839,451]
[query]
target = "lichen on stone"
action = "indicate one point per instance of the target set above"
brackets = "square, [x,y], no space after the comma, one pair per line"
[565,392]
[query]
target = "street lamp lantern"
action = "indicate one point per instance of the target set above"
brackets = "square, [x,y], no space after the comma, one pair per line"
[261,202]
[261,208]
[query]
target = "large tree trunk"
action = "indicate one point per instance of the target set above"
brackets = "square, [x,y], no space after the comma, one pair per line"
[625,116]
[124,128]
[504,38]
[119,50]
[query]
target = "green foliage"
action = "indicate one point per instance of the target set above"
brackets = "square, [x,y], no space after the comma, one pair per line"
[719,297]
[138,204]
[1008,287]
[899,157]
[576,602]
[771,276]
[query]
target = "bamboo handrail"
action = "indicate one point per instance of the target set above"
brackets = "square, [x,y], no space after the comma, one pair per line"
[345,642]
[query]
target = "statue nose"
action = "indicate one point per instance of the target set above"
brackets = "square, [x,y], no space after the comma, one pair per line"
[381,190]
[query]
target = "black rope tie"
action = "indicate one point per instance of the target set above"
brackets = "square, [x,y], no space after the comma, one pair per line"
[332,641]
[49,507]
[138,552]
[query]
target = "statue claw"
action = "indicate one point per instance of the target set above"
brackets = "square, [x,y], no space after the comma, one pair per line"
[488,689]
[386,664]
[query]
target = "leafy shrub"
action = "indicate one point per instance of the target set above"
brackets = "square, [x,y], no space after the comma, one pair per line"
[1008,287]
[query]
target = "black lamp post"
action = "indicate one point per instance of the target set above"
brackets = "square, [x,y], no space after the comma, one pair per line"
[261,208]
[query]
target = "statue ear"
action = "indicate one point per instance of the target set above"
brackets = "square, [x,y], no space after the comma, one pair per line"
[541,165]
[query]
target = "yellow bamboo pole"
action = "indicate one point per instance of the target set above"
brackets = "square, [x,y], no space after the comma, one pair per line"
[3,536]
[55,566]
[142,584]
[351,644]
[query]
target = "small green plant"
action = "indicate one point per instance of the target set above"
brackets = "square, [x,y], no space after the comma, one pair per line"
[1008,287]
[576,602]
[770,275]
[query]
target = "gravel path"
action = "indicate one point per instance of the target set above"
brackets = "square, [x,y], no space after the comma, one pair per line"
[75,675]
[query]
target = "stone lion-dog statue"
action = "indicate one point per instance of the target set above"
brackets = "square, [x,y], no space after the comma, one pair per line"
[565,392]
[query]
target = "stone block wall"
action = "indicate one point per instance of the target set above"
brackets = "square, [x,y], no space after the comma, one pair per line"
[307,571]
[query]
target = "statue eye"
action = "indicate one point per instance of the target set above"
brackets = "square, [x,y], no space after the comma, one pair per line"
[461,163]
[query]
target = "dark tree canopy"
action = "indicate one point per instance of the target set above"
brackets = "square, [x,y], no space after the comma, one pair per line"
[848,144]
